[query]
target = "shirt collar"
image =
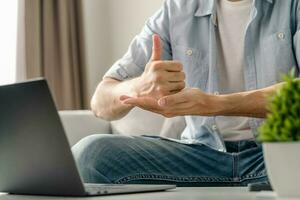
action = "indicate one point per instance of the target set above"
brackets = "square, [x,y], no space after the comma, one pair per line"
[207,7]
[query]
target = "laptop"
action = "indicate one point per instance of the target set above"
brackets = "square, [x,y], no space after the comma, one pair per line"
[35,155]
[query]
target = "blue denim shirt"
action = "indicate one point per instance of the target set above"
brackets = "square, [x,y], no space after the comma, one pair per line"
[188,32]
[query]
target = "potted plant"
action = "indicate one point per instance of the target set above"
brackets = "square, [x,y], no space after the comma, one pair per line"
[280,134]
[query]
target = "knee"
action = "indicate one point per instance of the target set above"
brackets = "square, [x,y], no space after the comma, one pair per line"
[86,154]
[94,147]
[94,155]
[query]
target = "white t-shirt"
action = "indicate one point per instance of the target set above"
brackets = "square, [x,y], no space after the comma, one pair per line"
[233,18]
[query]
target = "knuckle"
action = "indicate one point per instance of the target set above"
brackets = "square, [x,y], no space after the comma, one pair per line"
[167,100]
[156,65]
[179,65]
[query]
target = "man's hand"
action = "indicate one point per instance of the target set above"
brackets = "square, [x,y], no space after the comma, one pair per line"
[160,78]
[190,101]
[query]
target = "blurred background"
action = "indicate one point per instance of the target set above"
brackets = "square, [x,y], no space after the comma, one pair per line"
[71,43]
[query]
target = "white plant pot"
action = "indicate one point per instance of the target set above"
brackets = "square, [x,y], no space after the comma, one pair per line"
[283,166]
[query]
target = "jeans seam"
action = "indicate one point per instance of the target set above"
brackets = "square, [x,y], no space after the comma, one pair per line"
[254,176]
[235,176]
[233,161]
[172,178]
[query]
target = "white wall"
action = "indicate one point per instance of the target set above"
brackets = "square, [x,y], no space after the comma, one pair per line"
[109,27]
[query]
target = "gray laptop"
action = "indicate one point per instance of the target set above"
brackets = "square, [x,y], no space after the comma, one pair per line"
[35,156]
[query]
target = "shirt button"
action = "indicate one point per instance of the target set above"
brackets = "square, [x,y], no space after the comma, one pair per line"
[216,93]
[189,52]
[281,35]
[214,127]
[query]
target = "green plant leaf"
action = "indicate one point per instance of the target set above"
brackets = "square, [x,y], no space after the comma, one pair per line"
[283,122]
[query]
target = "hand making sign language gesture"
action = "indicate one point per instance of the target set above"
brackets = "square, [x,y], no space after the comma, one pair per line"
[160,78]
[162,89]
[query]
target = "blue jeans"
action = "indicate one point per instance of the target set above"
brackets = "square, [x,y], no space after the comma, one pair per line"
[152,160]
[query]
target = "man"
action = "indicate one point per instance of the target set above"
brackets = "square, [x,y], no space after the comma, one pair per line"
[213,62]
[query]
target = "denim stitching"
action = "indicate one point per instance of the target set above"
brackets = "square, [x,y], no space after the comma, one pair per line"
[233,165]
[172,178]
[254,176]
[187,179]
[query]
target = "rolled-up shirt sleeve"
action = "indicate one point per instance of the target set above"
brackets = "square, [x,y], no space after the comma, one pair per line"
[133,63]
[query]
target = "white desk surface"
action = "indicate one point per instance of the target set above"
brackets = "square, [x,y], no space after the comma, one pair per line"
[177,194]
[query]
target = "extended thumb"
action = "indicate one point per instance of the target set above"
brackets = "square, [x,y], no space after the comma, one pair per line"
[157,48]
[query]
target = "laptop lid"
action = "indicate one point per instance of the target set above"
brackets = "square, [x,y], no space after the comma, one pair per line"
[35,156]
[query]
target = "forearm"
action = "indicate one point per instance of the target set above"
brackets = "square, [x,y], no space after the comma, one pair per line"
[246,104]
[106,102]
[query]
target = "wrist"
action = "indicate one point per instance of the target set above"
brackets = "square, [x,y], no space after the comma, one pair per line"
[134,90]
[209,104]
[219,104]
[238,104]
[222,105]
